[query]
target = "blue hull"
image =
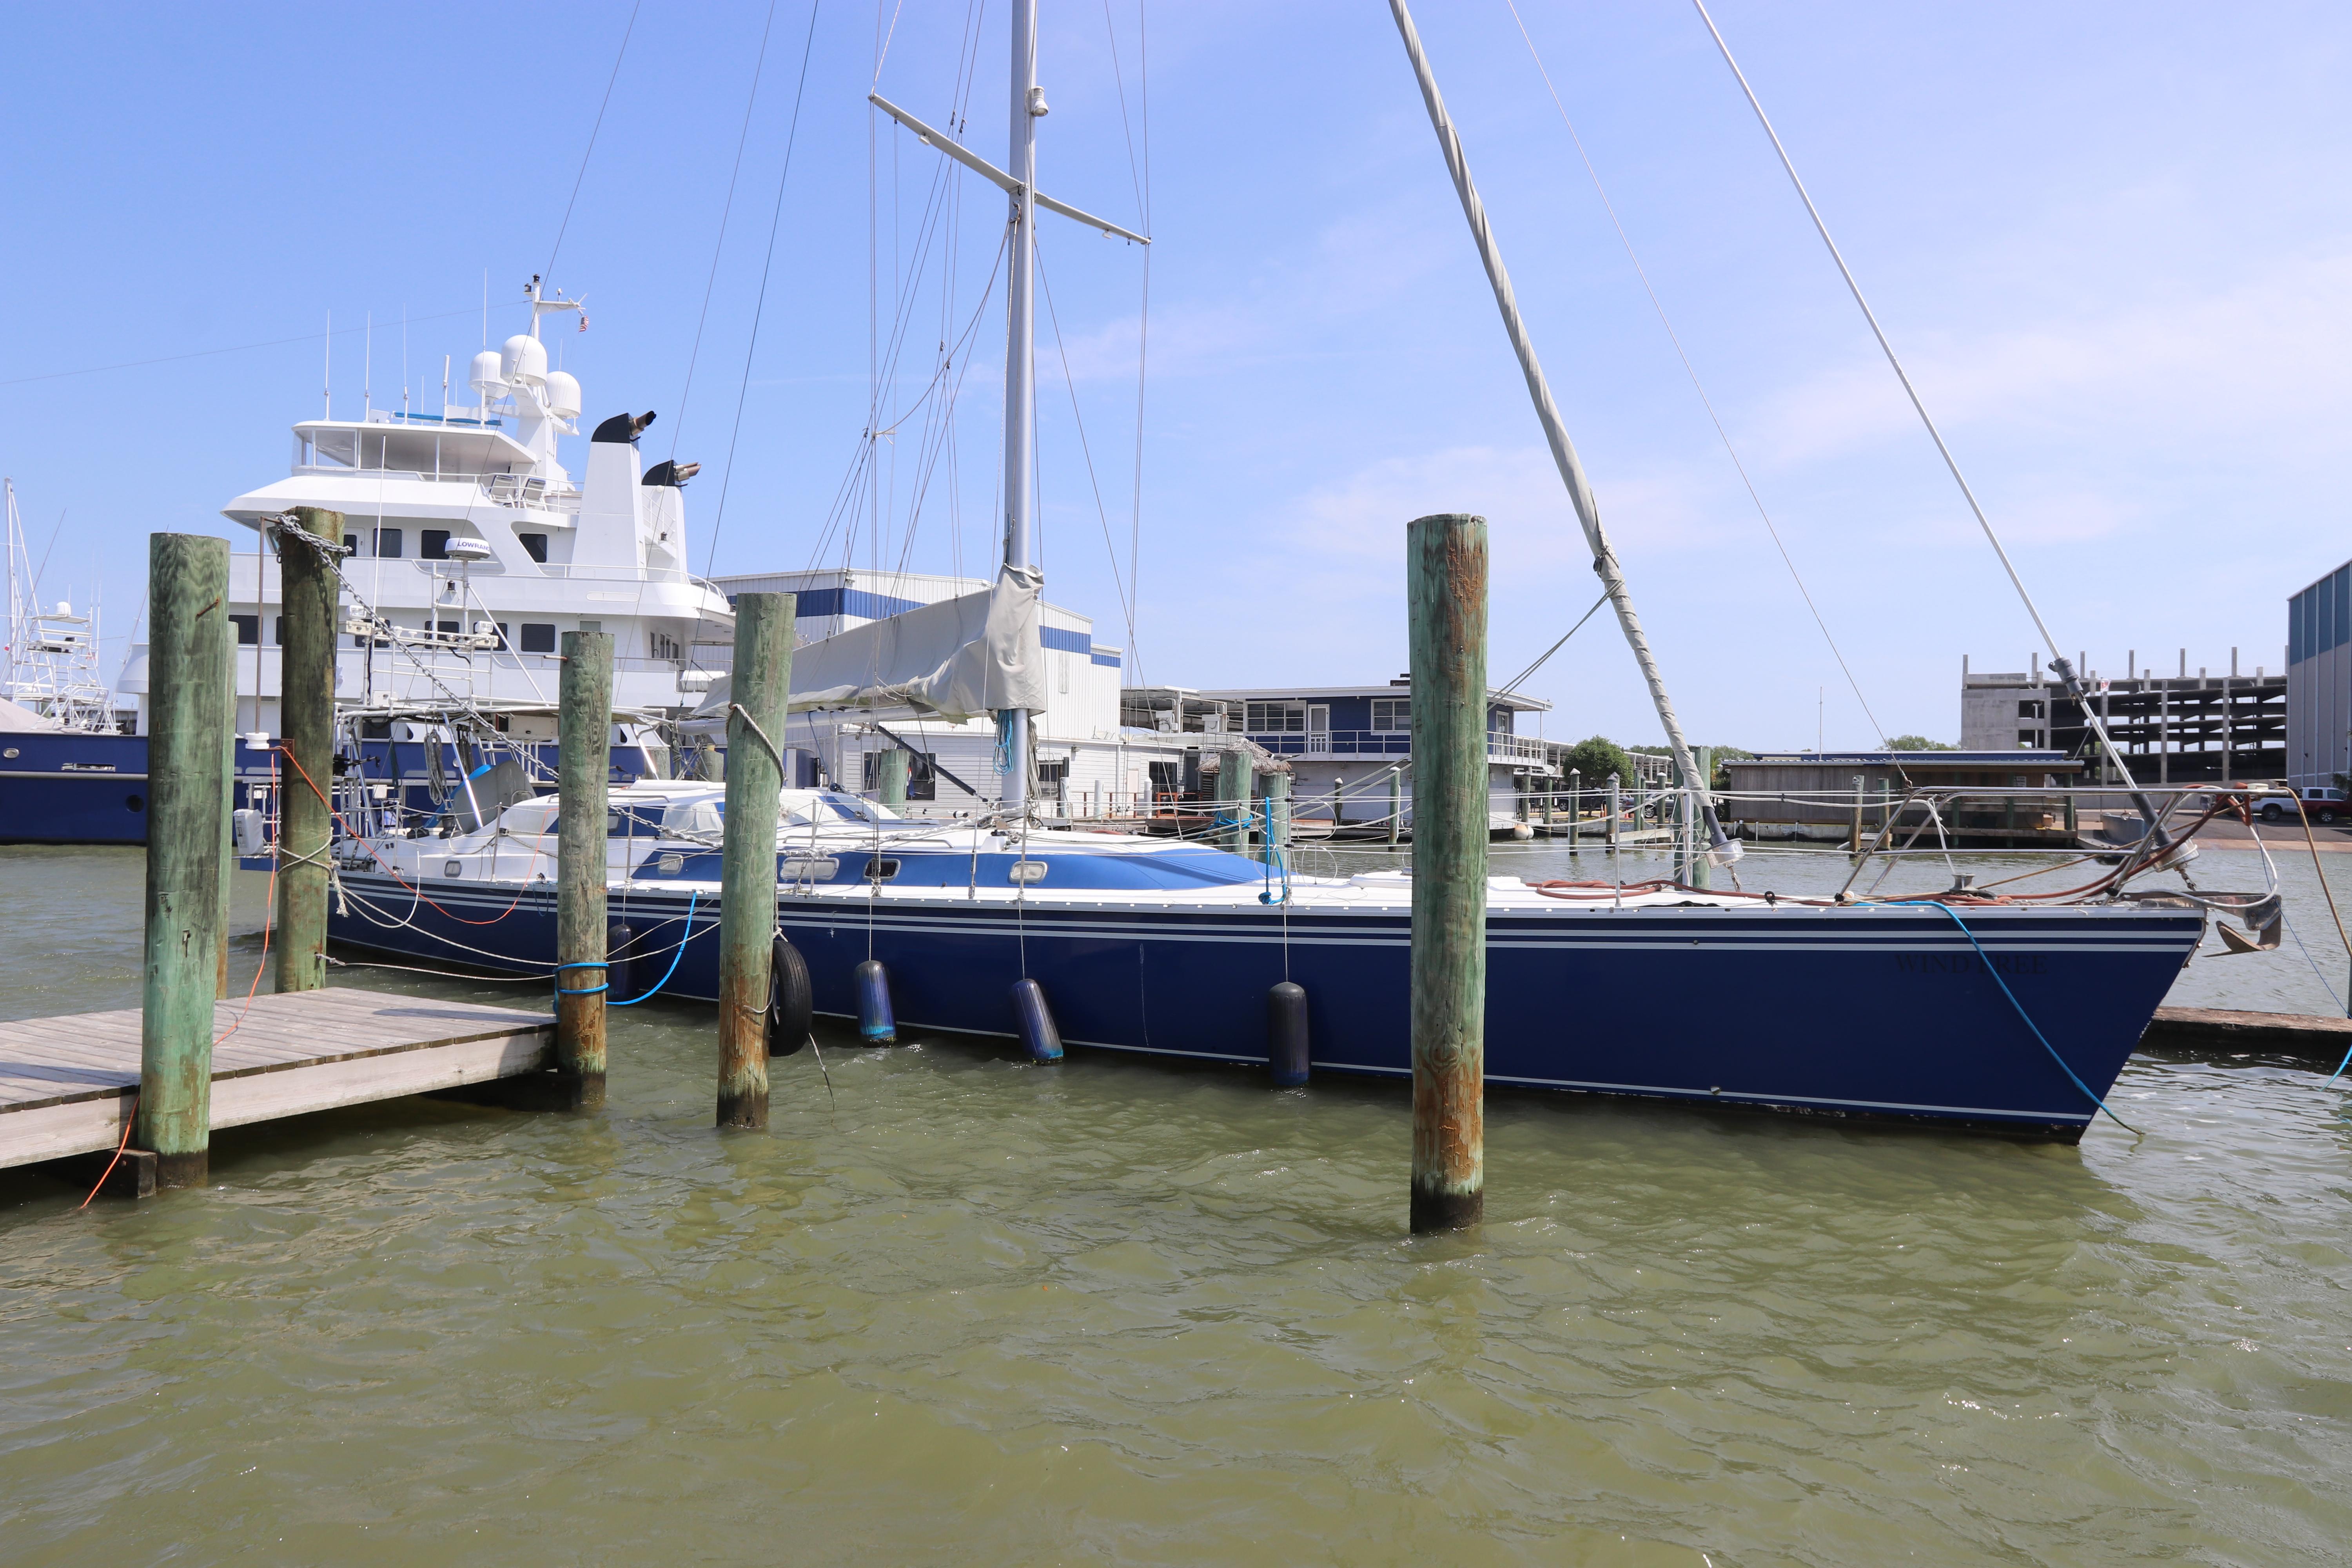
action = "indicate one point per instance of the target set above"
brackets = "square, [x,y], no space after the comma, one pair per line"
[1875,1012]
[73,788]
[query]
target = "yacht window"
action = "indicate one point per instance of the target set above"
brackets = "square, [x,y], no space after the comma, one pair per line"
[880,870]
[433,544]
[535,546]
[1027,871]
[538,636]
[352,543]
[502,636]
[248,629]
[387,544]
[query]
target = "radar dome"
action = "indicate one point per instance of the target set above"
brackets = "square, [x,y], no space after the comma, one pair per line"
[524,360]
[487,379]
[562,394]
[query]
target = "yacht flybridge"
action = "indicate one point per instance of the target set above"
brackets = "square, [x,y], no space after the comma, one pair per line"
[473,548]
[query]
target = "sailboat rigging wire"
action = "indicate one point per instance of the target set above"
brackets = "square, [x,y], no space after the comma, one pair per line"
[1692,371]
[1721,847]
[2066,672]
[758,307]
[1126,600]
[1555,647]
[590,150]
[718,245]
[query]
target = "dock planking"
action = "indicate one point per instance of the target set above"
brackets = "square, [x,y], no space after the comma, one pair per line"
[66,1083]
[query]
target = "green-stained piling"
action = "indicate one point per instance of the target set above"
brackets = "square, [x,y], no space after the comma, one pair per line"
[1277,819]
[584,738]
[891,779]
[1234,801]
[762,684]
[1446,567]
[306,728]
[189,710]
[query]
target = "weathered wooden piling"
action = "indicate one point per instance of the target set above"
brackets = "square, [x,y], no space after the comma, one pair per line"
[306,728]
[1277,819]
[228,799]
[189,706]
[1396,804]
[1445,565]
[1853,834]
[1575,806]
[1700,872]
[1616,804]
[1234,801]
[761,696]
[583,978]
[890,785]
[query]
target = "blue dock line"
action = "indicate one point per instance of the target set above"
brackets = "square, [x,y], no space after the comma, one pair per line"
[673,957]
[560,990]
[2021,1012]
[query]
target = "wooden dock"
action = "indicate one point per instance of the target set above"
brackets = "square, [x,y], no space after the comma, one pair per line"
[66,1083]
[2321,1041]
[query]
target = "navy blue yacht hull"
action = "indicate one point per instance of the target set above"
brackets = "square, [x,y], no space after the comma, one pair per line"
[1881,1012]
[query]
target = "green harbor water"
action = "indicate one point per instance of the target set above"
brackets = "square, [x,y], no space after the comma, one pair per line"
[965,1310]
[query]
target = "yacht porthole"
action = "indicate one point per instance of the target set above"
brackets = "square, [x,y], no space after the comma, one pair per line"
[670,865]
[453,867]
[1026,871]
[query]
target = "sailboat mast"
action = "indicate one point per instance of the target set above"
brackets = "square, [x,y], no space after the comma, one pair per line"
[1572,471]
[1020,354]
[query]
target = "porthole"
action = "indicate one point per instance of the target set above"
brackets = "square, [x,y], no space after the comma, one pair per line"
[1027,871]
[11,751]
[134,803]
[880,870]
[453,867]
[670,865]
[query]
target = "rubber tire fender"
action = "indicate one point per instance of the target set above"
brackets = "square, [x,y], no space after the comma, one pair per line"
[791,1004]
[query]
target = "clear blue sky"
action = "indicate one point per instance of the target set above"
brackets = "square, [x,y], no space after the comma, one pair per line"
[2114,241]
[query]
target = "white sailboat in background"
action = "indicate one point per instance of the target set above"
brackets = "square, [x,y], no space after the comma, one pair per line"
[48,665]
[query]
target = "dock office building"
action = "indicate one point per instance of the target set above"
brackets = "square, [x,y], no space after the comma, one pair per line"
[2319,682]
[1343,742]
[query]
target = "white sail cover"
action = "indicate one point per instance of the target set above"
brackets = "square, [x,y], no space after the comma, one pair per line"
[16,719]
[959,658]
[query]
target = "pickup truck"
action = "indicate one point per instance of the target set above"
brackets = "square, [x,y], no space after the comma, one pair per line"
[2321,805]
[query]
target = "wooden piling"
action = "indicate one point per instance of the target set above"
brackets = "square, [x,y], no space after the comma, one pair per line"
[1698,871]
[1445,558]
[1396,804]
[1616,803]
[762,684]
[584,740]
[1234,801]
[890,785]
[189,707]
[1853,838]
[1276,820]
[1575,806]
[228,799]
[306,728]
